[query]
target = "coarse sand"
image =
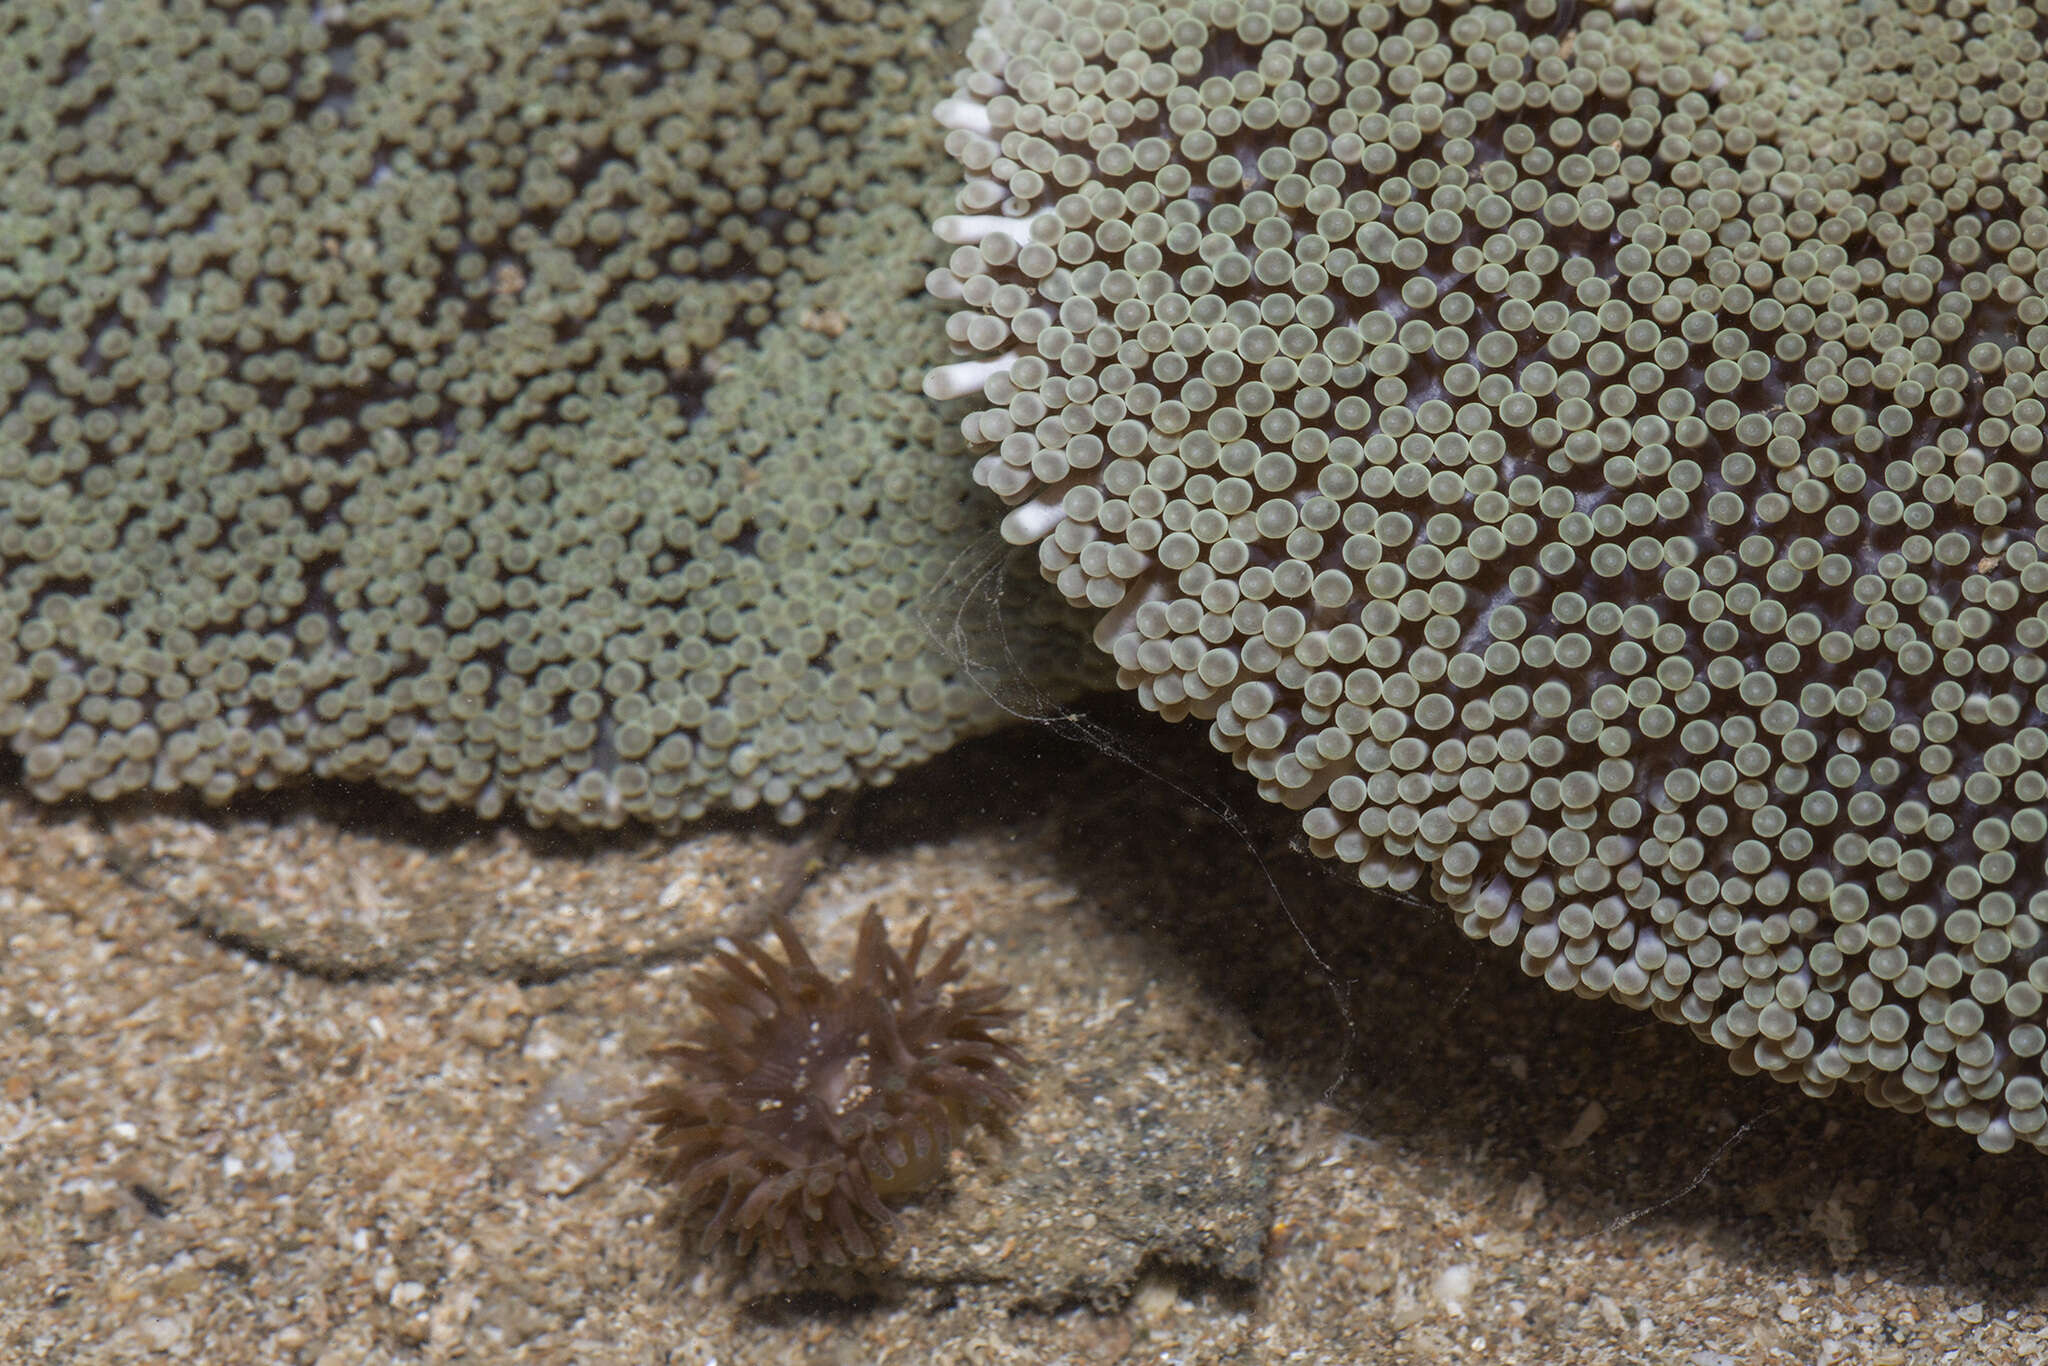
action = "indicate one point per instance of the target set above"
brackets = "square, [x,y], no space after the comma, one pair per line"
[316,1081]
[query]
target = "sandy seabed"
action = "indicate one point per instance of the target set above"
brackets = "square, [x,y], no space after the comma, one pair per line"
[314,1081]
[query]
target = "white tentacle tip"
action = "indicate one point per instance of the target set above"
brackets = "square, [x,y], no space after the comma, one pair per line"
[967,229]
[957,111]
[963,377]
[1029,522]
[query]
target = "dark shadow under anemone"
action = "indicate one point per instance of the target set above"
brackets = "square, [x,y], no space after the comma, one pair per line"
[804,1103]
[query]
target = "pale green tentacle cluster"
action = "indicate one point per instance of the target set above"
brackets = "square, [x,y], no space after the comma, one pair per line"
[513,404]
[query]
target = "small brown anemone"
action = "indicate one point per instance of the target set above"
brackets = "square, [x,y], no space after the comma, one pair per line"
[804,1102]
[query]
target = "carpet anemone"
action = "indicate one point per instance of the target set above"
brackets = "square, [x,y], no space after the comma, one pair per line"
[1584,460]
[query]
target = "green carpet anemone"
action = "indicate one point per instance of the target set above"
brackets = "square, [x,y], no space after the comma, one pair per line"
[1584,460]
